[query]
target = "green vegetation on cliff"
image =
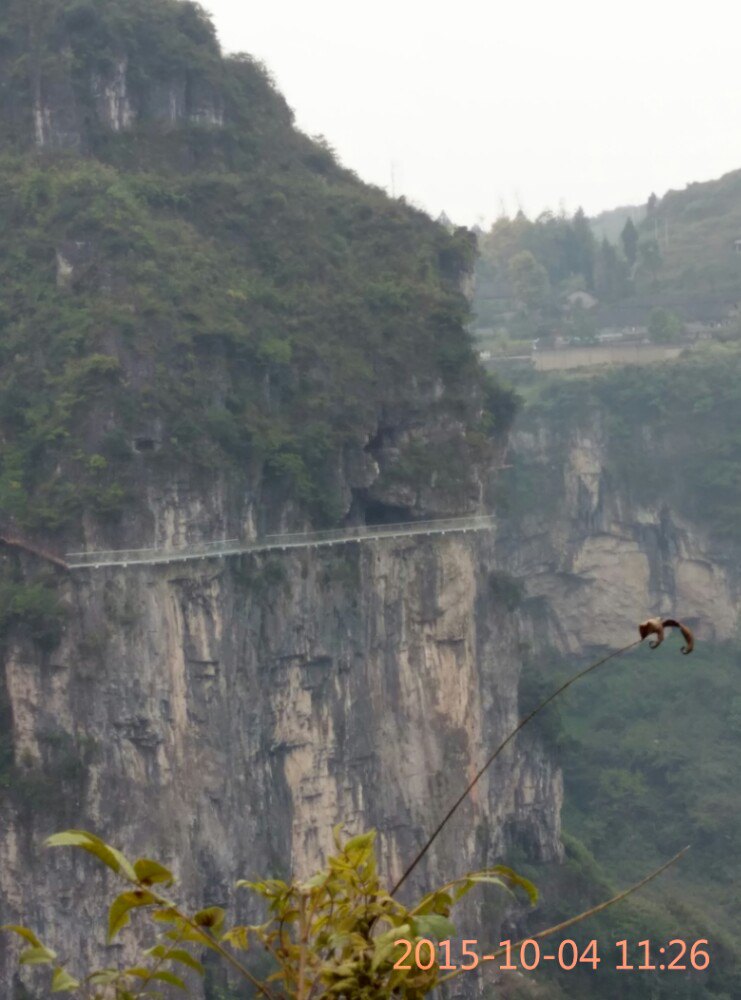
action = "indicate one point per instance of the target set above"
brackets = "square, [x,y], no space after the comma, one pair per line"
[696,230]
[224,293]
[692,406]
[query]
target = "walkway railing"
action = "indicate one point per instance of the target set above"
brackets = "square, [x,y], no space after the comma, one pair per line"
[306,539]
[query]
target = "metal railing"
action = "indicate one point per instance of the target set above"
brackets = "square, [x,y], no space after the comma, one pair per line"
[305,539]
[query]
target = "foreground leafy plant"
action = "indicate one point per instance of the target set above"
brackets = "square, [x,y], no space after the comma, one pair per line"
[332,936]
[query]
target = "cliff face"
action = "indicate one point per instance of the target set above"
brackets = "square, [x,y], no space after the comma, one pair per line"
[596,557]
[79,82]
[63,120]
[230,713]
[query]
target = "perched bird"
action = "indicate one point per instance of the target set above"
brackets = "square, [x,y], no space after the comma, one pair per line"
[655,626]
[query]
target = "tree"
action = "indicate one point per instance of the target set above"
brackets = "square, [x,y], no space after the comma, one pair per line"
[664,327]
[649,256]
[530,285]
[611,278]
[629,239]
[585,245]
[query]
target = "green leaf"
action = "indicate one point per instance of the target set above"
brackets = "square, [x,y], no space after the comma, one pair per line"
[504,877]
[185,933]
[170,977]
[69,838]
[345,969]
[38,955]
[176,955]
[336,835]
[433,925]
[162,975]
[212,918]
[384,946]
[344,987]
[479,878]
[111,857]
[314,882]
[62,982]
[24,932]
[150,872]
[518,880]
[364,841]
[439,901]
[268,888]
[104,977]
[238,937]
[118,915]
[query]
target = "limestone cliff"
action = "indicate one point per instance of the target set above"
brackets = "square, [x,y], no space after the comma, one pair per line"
[79,82]
[595,557]
[231,713]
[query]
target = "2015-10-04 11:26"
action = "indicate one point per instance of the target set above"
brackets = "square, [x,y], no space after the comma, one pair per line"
[569,955]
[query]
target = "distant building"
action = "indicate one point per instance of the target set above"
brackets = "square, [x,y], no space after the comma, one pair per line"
[737,245]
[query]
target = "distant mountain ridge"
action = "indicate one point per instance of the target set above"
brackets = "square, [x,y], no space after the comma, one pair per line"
[698,233]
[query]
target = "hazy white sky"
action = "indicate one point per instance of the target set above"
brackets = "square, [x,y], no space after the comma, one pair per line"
[477,105]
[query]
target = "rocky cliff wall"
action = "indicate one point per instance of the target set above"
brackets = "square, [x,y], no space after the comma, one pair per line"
[230,713]
[594,557]
[66,73]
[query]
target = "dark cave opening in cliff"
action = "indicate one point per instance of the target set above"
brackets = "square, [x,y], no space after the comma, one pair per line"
[370,511]
[377,512]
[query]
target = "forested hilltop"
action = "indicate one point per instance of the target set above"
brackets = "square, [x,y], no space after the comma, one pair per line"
[668,270]
[192,283]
